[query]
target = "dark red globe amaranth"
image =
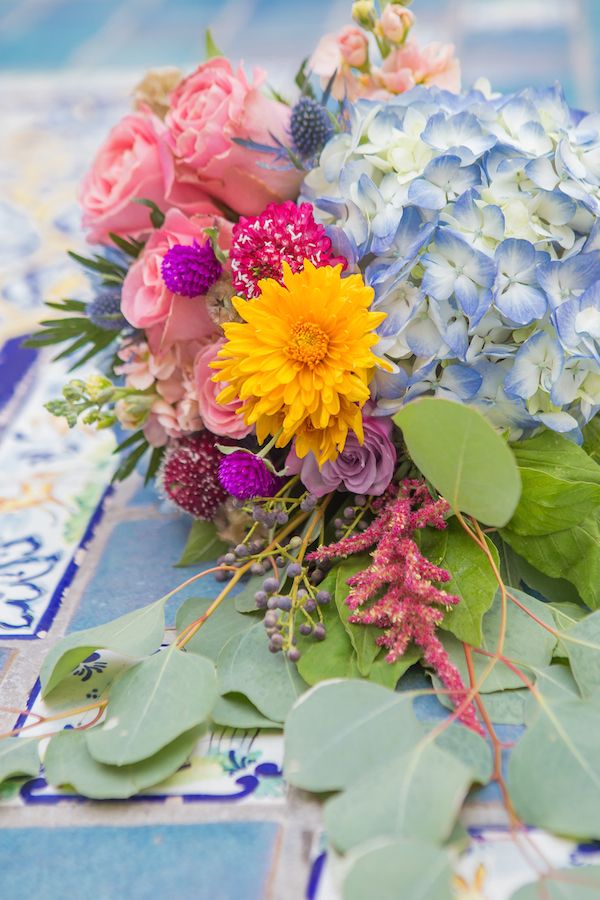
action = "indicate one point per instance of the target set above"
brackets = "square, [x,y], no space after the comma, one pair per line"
[190,475]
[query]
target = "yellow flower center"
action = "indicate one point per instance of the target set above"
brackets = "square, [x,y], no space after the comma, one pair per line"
[308,343]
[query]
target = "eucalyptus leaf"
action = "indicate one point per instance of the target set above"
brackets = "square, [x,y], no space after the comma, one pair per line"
[68,762]
[554,769]
[203,544]
[476,472]
[517,572]
[244,599]
[565,616]
[506,707]
[152,704]
[343,728]
[554,683]
[417,794]
[581,643]
[18,756]
[269,680]
[582,883]
[221,625]
[472,579]
[136,634]
[236,711]
[469,748]
[423,870]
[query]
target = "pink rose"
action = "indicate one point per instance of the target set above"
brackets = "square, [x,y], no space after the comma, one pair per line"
[210,108]
[354,47]
[221,419]
[147,302]
[395,23]
[406,66]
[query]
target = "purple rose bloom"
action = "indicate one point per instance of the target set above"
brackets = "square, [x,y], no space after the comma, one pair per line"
[360,468]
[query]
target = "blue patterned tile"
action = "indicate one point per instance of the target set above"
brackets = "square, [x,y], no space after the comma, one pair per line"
[136,568]
[15,363]
[220,861]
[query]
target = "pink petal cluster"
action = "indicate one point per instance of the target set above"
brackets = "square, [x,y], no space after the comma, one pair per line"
[220,418]
[282,233]
[211,108]
[405,67]
[399,584]
[365,468]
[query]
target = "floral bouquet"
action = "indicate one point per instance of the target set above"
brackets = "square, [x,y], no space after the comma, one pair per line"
[356,336]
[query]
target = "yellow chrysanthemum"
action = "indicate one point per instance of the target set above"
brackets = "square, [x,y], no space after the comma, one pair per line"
[300,361]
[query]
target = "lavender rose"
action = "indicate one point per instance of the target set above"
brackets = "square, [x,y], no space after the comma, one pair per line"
[360,468]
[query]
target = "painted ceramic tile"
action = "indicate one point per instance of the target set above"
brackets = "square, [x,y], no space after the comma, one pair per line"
[226,766]
[51,482]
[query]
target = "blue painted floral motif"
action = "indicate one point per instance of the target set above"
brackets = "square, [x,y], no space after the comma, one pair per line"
[93,663]
[21,566]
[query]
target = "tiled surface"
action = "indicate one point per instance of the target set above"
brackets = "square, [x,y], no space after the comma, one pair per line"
[73,555]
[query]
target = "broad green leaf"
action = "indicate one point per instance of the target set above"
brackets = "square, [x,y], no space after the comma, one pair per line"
[203,545]
[136,634]
[503,707]
[469,748]
[269,680]
[68,762]
[18,756]
[152,704]
[476,472]
[582,883]
[244,599]
[525,642]
[362,637]
[236,711]
[554,770]
[591,438]
[211,48]
[334,657]
[417,794]
[423,870]
[472,580]
[561,484]
[517,572]
[341,729]
[220,626]
[581,643]
[573,554]
[565,616]
[554,683]
[389,674]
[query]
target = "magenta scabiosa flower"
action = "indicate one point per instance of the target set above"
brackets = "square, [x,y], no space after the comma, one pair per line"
[284,232]
[246,476]
[190,270]
[189,475]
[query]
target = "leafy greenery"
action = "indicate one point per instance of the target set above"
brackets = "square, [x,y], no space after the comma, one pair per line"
[76,331]
[476,472]
[203,545]
[566,884]
[18,756]
[423,870]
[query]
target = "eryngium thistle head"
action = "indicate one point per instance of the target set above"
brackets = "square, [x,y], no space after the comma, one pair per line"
[105,311]
[310,127]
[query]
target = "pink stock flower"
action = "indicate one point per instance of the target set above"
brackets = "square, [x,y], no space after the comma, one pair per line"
[410,65]
[134,162]
[208,110]
[338,53]
[148,303]
[365,468]
[395,22]
[399,584]
[221,419]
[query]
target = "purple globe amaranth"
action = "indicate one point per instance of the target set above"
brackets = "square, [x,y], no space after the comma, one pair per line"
[246,476]
[365,468]
[190,269]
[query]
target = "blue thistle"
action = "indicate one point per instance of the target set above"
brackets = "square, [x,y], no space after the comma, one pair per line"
[105,311]
[310,127]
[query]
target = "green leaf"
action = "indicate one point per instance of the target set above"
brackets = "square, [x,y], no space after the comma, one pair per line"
[517,572]
[469,748]
[68,762]
[332,658]
[269,680]
[418,794]
[236,711]
[554,770]
[362,637]
[211,48]
[18,756]
[526,643]
[389,674]
[341,729]
[582,883]
[135,634]
[561,485]
[477,472]
[581,643]
[505,707]
[244,599]
[472,580]
[565,616]
[573,554]
[152,704]
[423,870]
[591,439]
[157,216]
[203,544]
[220,627]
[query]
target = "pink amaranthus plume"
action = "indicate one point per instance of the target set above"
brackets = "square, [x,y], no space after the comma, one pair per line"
[284,232]
[411,606]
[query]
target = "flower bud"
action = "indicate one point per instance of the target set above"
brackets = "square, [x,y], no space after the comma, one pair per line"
[364,14]
[395,23]
[354,47]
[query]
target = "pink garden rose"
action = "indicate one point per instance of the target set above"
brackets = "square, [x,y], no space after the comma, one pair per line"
[365,468]
[434,64]
[147,302]
[210,108]
[135,161]
[218,418]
